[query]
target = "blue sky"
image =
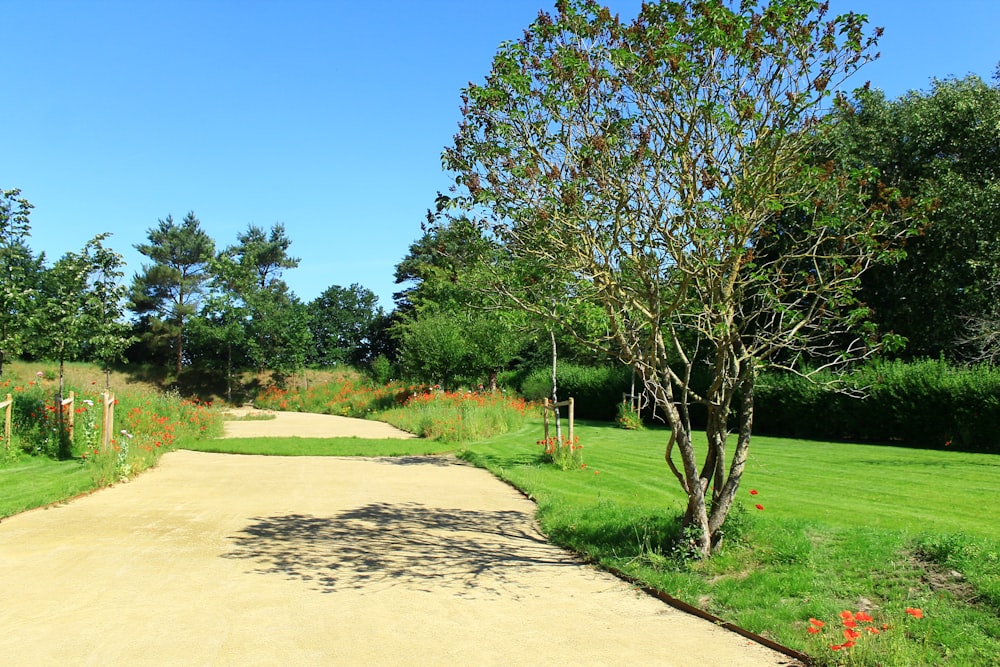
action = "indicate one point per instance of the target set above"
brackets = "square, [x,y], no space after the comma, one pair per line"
[327,116]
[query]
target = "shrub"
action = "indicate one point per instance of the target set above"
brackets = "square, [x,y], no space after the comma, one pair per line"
[458,417]
[925,404]
[596,390]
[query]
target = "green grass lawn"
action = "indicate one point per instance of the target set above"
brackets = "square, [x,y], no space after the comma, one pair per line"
[37,481]
[843,527]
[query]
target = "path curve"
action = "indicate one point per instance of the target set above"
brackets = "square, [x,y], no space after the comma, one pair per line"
[271,423]
[213,559]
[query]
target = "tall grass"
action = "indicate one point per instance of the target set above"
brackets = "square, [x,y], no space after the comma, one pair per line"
[842,527]
[60,463]
[428,412]
[457,416]
[347,394]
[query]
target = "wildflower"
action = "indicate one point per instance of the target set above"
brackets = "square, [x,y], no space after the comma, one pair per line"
[915,612]
[758,506]
[753,492]
[850,623]
[812,629]
[127,434]
[88,402]
[847,615]
[39,374]
[863,617]
[836,647]
[816,622]
[850,634]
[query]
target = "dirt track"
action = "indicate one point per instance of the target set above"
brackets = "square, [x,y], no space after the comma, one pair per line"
[243,560]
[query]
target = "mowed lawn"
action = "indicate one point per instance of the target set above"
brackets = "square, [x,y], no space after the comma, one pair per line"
[847,485]
[854,527]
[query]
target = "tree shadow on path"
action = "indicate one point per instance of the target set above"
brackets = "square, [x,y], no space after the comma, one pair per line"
[381,545]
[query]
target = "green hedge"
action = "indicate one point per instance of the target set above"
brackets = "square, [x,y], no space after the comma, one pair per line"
[923,404]
[596,391]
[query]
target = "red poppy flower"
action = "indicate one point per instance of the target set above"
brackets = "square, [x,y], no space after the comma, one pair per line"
[851,634]
[818,623]
[812,630]
[914,612]
[836,647]
[846,615]
[753,492]
[863,617]
[850,623]
[760,507]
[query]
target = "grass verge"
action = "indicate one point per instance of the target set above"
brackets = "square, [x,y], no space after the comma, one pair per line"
[320,446]
[856,528]
[33,482]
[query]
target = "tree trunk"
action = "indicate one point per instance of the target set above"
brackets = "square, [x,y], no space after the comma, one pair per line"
[727,492]
[493,381]
[555,393]
[180,351]
[229,373]
[695,522]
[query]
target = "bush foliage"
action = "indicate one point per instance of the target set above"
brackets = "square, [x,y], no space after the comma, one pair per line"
[596,390]
[922,404]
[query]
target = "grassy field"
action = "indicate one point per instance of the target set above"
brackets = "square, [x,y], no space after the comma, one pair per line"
[842,528]
[37,481]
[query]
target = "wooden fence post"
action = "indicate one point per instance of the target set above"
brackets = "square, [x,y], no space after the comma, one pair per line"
[6,422]
[108,422]
[71,422]
[545,419]
[572,442]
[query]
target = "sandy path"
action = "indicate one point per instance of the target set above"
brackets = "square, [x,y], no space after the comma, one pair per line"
[309,425]
[243,560]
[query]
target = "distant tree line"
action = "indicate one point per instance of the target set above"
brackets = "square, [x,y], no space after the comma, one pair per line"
[189,309]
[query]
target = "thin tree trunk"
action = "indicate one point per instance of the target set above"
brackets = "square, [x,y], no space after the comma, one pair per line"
[555,393]
[721,507]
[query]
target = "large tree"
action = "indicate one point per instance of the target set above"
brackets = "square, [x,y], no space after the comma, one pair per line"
[450,324]
[107,333]
[941,145]
[649,162]
[345,323]
[167,292]
[248,291]
[18,271]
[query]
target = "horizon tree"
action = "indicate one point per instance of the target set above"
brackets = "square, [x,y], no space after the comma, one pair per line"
[18,267]
[108,334]
[261,316]
[344,323]
[941,144]
[651,162]
[167,292]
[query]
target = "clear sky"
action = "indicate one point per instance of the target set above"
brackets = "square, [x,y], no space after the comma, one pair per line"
[325,115]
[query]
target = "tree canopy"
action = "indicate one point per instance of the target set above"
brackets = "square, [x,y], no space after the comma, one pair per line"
[168,290]
[650,163]
[940,145]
